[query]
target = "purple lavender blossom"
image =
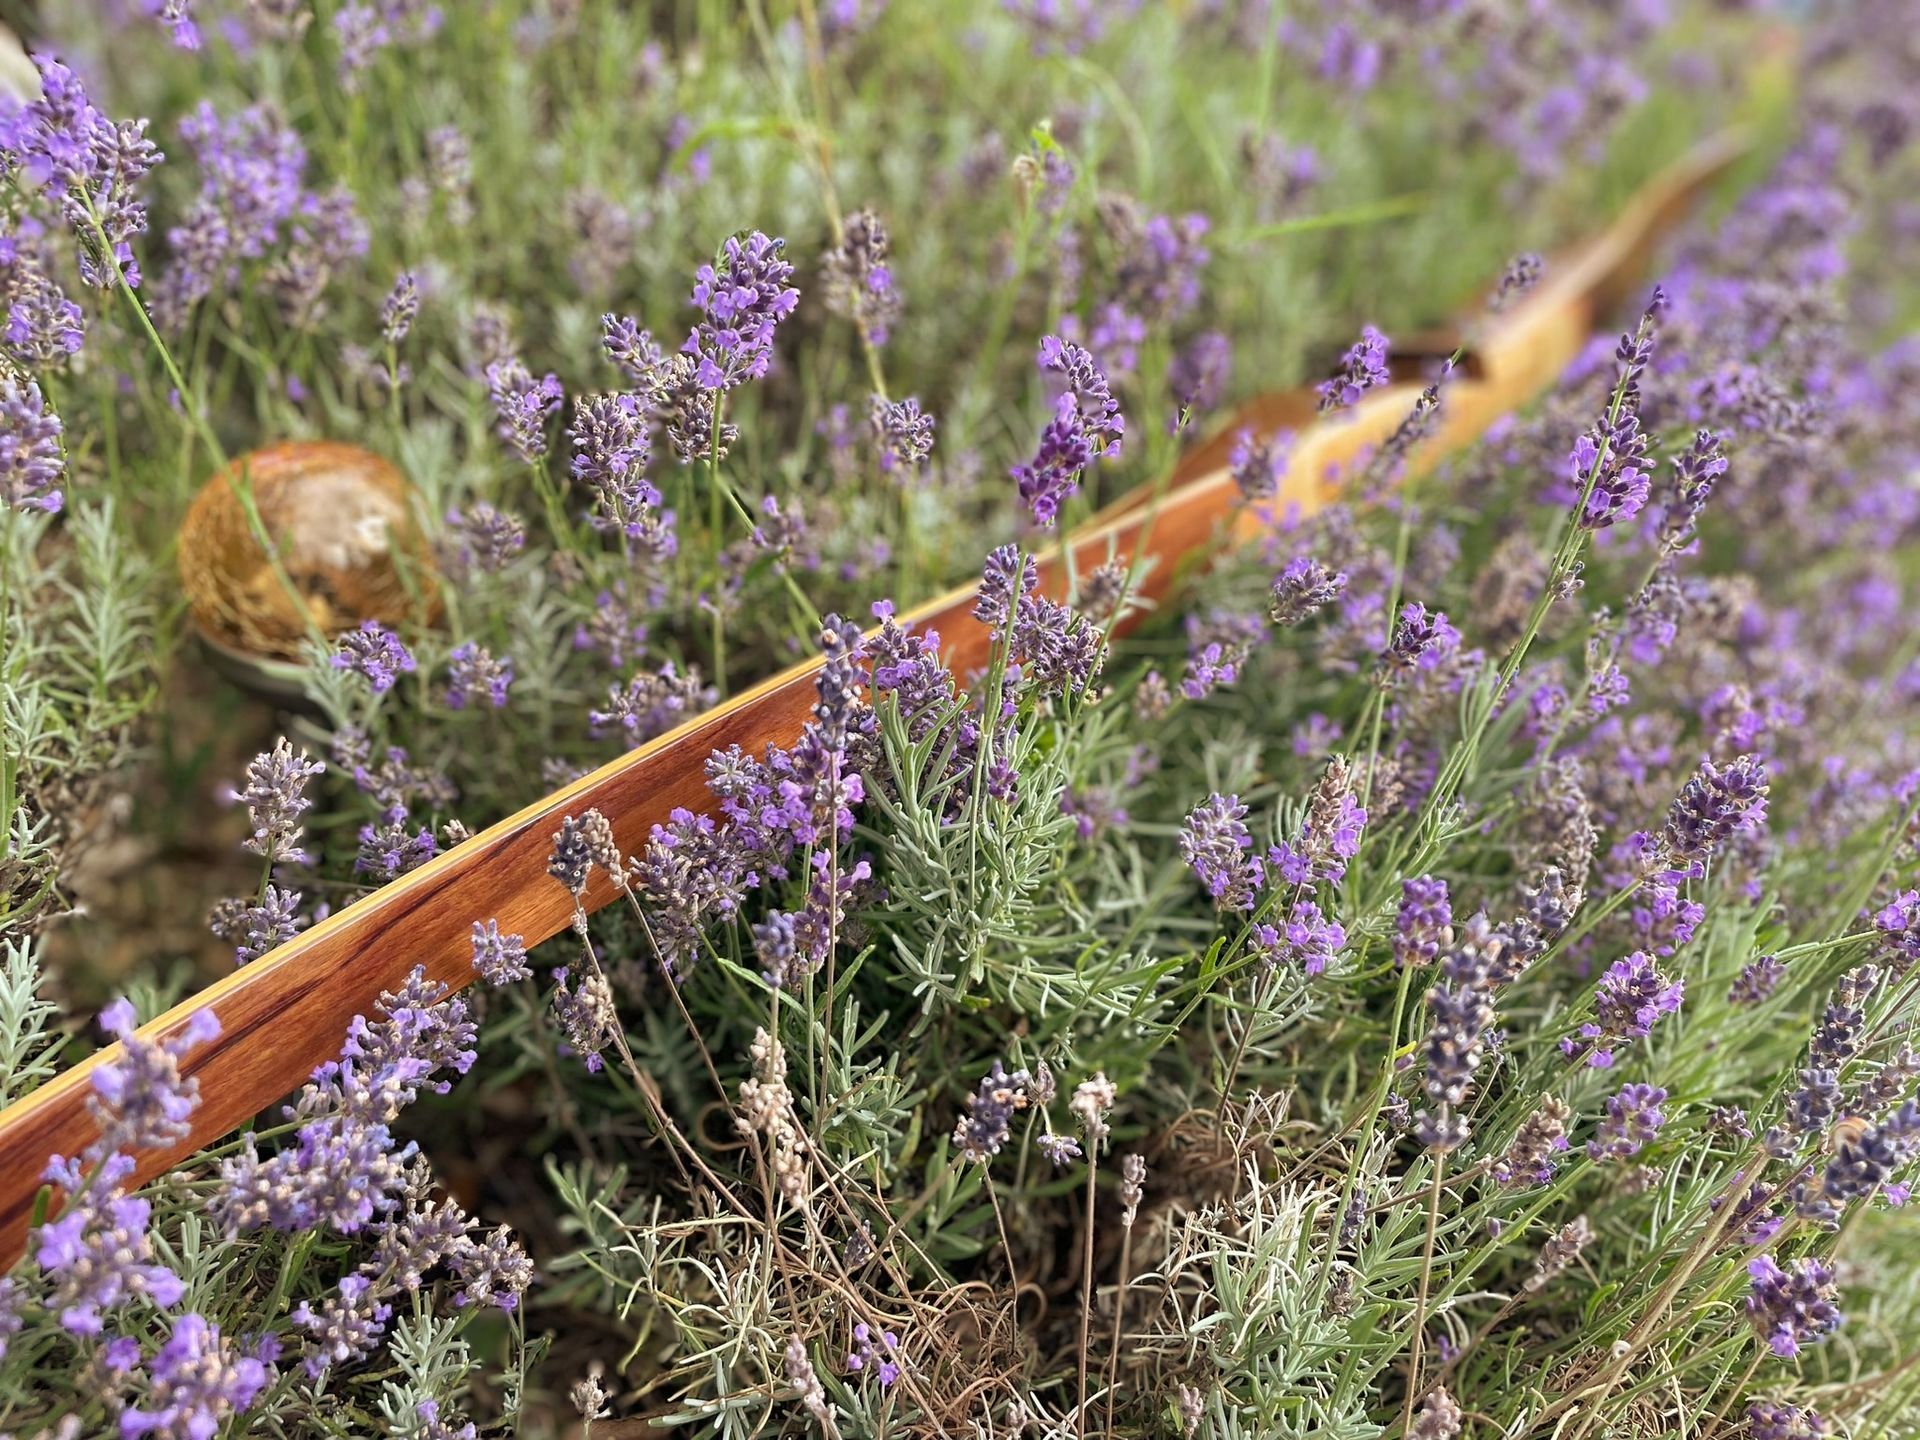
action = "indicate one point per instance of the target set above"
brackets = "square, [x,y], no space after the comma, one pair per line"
[472,673]
[344,1166]
[1793,1307]
[140,1101]
[1258,463]
[990,1110]
[1778,1420]
[878,1357]
[32,459]
[44,328]
[500,959]
[611,451]
[1867,1158]
[522,406]
[1303,589]
[1696,471]
[650,703]
[1216,843]
[1158,277]
[495,1271]
[1608,463]
[276,798]
[1898,925]
[857,280]
[1633,1119]
[389,849]
[486,538]
[1086,425]
[902,434]
[196,1381]
[1755,982]
[254,928]
[252,166]
[634,353]
[374,652]
[1197,376]
[1523,272]
[1633,994]
[1052,476]
[743,297]
[98,1255]
[1006,579]
[75,155]
[1308,940]
[1716,805]
[1423,926]
[345,1327]
[1423,640]
[1362,368]
[1060,1150]
[1615,489]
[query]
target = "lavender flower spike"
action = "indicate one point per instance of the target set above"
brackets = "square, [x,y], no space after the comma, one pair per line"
[1362,368]
[375,652]
[742,297]
[140,1100]
[522,406]
[31,458]
[1792,1307]
[1087,425]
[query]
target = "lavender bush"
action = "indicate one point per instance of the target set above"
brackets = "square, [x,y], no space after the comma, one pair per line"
[1451,975]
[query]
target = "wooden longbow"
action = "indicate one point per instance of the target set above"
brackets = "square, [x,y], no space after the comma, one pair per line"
[288,1011]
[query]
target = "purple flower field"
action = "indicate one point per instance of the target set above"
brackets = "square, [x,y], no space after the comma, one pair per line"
[1444,966]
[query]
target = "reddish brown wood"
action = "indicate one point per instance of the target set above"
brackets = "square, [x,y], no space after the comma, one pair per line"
[288,1011]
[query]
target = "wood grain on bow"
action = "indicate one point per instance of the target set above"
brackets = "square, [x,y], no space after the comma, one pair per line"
[288,1011]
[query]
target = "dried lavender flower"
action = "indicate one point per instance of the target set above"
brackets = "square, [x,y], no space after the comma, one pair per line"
[1563,1247]
[1528,1160]
[1091,1101]
[500,959]
[811,1394]
[1133,1179]
[1439,1417]
[585,1014]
